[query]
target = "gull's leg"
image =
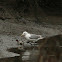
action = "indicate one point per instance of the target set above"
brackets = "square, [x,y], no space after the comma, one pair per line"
[34,45]
[29,42]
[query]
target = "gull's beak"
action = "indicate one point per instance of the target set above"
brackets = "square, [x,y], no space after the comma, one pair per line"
[22,35]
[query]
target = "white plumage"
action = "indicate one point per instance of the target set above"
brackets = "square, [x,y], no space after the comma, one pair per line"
[31,37]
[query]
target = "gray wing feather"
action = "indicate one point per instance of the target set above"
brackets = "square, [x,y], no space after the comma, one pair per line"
[33,36]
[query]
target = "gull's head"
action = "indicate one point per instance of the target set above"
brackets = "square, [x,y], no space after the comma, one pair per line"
[24,33]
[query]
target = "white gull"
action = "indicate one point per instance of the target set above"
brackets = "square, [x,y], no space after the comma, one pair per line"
[31,37]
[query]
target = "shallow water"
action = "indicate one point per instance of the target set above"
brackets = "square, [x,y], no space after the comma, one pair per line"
[29,55]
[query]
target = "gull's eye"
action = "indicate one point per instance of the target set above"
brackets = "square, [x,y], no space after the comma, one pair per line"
[24,33]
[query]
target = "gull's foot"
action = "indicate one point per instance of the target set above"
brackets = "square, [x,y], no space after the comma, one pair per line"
[29,42]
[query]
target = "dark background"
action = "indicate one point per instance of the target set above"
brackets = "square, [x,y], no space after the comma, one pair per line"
[49,9]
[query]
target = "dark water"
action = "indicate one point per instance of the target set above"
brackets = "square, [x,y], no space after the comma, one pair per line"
[26,55]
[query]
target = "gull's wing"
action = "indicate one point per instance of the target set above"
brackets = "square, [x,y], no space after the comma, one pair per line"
[34,36]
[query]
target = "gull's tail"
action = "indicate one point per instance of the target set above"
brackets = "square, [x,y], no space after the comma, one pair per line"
[41,37]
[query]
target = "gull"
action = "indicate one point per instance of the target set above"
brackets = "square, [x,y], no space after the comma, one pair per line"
[31,37]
